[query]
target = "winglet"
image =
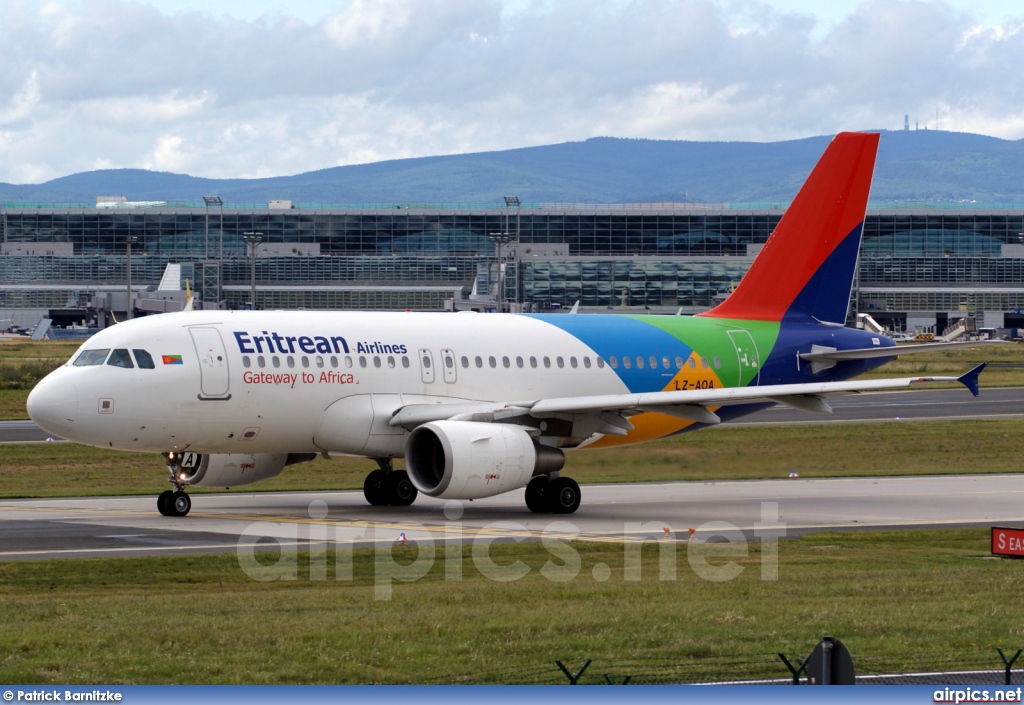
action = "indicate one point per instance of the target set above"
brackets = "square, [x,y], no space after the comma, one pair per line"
[970,379]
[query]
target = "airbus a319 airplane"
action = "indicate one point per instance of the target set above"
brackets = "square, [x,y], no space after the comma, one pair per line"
[481,404]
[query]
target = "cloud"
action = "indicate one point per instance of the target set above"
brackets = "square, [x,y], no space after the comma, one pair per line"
[117,83]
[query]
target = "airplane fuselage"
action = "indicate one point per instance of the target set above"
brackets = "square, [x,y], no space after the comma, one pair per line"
[245,382]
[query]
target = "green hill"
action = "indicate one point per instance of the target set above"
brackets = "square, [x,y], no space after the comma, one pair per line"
[912,166]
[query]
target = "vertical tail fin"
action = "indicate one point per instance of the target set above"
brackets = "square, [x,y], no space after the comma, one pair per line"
[806,268]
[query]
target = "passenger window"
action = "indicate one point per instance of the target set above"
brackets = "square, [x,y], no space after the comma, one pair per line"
[506,362]
[600,362]
[586,362]
[334,361]
[665,362]
[405,361]
[261,361]
[693,363]
[679,363]
[717,363]
[319,361]
[391,361]
[572,362]
[143,359]
[305,361]
[276,361]
[519,362]
[246,363]
[626,361]
[547,361]
[639,362]
[291,361]
[492,362]
[560,362]
[704,362]
[348,361]
[376,360]
[362,361]
[479,362]
[614,362]
[120,358]
[449,362]
[426,362]
[89,358]
[654,362]
[465,362]
[533,361]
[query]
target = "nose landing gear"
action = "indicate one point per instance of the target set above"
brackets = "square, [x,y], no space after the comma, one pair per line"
[176,503]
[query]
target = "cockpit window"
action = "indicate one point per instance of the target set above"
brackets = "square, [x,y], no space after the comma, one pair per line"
[120,358]
[88,358]
[144,359]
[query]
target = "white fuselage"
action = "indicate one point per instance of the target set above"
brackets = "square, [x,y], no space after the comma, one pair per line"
[247,382]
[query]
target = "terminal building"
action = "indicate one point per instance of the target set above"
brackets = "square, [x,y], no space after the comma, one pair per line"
[921,268]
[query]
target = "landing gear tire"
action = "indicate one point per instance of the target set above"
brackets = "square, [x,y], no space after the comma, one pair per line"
[562,495]
[535,493]
[163,503]
[376,489]
[401,490]
[179,504]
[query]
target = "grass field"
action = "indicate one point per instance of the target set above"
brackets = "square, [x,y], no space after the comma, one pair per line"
[723,453]
[906,600]
[892,597]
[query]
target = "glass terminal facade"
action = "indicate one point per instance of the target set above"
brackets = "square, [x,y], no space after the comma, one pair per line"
[914,263]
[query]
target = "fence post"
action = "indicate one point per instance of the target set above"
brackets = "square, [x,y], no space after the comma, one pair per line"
[572,678]
[1009,664]
[795,671]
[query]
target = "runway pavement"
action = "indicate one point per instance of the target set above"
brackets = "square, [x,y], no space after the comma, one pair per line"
[131,526]
[917,404]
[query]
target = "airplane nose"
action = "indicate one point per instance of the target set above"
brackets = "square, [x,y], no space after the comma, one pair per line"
[53,404]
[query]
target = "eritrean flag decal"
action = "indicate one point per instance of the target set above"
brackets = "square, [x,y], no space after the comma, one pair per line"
[172,359]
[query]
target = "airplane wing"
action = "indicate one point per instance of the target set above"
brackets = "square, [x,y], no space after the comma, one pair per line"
[614,409]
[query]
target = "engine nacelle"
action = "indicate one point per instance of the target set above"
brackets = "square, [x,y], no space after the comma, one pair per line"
[235,469]
[470,460]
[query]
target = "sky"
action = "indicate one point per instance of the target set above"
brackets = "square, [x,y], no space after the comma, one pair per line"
[254,88]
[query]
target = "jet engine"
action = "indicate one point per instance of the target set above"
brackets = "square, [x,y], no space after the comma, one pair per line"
[470,460]
[235,469]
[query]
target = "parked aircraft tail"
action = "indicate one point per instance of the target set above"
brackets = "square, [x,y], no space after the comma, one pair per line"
[805,270]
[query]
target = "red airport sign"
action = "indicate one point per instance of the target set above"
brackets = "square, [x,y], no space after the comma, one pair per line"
[1007,541]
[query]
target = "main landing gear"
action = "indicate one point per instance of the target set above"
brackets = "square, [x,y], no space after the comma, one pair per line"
[552,494]
[386,486]
[174,503]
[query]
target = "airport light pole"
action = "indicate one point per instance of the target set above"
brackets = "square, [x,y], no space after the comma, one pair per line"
[213,201]
[499,239]
[509,202]
[131,240]
[252,239]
